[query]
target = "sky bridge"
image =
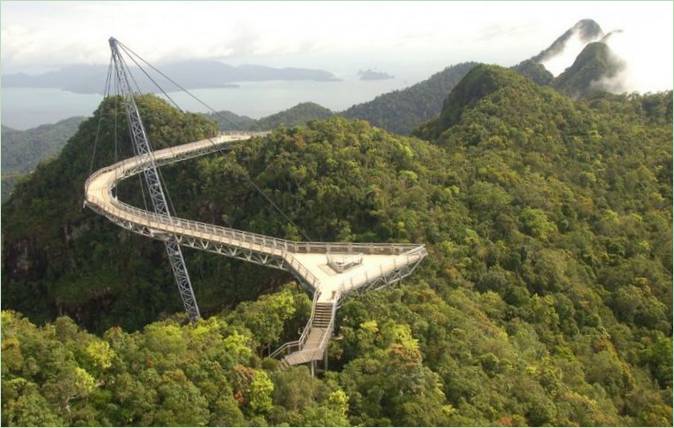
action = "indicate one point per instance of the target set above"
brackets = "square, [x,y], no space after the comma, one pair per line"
[328,270]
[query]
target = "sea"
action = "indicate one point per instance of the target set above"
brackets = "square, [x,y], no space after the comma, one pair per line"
[24,108]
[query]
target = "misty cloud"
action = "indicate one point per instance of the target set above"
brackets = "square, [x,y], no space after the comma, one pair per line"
[420,36]
[644,70]
[557,63]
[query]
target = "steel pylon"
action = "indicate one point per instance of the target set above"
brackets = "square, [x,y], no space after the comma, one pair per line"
[142,148]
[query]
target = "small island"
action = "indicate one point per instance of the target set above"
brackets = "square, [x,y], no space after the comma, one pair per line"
[373,75]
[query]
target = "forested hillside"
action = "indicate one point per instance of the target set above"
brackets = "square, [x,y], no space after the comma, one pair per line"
[23,150]
[61,258]
[402,111]
[228,121]
[594,67]
[294,116]
[546,298]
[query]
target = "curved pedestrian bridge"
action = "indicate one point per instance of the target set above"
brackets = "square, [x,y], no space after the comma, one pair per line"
[329,270]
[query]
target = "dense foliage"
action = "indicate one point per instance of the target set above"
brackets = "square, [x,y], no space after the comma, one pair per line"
[59,257]
[546,297]
[592,71]
[402,111]
[228,121]
[23,150]
[168,374]
[294,116]
[534,71]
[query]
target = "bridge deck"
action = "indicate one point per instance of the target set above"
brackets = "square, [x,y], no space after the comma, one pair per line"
[381,263]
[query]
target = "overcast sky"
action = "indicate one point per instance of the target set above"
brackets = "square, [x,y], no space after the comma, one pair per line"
[341,37]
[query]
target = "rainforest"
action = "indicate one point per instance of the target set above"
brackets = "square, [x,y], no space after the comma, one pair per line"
[546,297]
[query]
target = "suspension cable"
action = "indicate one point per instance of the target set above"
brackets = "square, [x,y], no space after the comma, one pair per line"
[130,52]
[133,79]
[115,91]
[153,81]
[106,90]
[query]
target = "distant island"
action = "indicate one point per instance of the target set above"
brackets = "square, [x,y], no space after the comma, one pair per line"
[373,75]
[196,74]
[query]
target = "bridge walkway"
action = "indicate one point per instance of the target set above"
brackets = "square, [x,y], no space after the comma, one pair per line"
[375,265]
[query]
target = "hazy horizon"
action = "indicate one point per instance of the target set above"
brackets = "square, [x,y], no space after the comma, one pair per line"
[403,38]
[409,40]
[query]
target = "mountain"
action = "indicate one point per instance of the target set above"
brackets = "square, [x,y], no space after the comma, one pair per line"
[23,150]
[477,85]
[191,74]
[594,65]
[585,31]
[402,111]
[594,68]
[228,121]
[294,116]
[60,258]
[561,53]
[534,71]
[546,298]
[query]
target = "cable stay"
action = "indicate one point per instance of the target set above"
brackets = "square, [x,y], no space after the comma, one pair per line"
[329,270]
[133,55]
[121,83]
[153,182]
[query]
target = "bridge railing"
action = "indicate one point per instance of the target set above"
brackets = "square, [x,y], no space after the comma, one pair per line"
[327,333]
[251,237]
[134,165]
[297,345]
[209,232]
[220,234]
[365,277]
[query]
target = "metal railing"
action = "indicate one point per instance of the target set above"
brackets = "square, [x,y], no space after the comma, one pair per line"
[156,225]
[299,343]
[128,167]
[209,232]
[363,278]
[327,333]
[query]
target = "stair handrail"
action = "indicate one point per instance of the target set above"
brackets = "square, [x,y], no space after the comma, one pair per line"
[283,348]
[305,333]
[328,330]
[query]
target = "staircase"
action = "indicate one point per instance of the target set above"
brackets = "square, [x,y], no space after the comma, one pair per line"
[313,343]
[322,315]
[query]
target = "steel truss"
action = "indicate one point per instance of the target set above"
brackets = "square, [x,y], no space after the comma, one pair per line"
[142,148]
[224,249]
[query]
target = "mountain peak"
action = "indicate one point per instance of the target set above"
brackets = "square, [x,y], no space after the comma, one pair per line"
[479,83]
[582,32]
[594,64]
[587,29]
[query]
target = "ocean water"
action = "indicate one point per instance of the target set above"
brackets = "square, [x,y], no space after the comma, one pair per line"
[24,108]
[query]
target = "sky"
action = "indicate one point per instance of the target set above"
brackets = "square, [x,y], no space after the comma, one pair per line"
[413,38]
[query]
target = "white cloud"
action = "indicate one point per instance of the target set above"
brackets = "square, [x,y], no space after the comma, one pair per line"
[641,52]
[561,61]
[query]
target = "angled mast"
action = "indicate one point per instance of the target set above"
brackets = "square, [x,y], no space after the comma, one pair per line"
[141,146]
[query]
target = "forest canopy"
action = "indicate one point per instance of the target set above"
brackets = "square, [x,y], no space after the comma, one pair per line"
[546,298]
